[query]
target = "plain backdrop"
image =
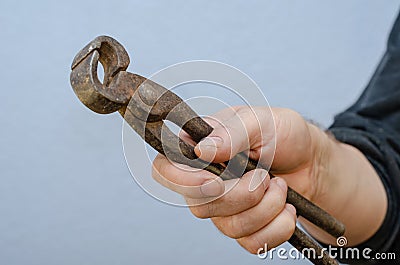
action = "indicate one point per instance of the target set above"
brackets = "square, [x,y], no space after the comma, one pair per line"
[66,194]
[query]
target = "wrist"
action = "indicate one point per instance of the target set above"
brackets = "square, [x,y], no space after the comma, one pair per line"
[323,151]
[345,183]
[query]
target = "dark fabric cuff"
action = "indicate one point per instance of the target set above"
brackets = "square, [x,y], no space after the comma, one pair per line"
[378,145]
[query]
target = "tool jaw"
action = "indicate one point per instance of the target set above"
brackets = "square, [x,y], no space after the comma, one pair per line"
[101,97]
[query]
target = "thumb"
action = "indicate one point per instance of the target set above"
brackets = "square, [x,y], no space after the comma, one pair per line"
[223,143]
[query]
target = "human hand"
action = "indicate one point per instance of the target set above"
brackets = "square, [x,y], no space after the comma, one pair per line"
[334,175]
[252,214]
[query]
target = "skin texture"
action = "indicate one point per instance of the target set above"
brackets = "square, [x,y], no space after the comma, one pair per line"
[335,176]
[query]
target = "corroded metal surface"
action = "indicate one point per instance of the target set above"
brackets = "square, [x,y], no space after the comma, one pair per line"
[145,105]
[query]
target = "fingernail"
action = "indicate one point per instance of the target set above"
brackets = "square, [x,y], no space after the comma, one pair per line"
[211,141]
[213,187]
[209,145]
[290,208]
[257,179]
[281,183]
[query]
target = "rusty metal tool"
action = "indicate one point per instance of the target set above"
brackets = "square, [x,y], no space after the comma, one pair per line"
[145,105]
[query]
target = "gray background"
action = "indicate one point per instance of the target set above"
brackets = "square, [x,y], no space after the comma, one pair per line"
[66,195]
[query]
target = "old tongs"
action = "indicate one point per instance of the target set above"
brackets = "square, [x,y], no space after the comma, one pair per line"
[145,105]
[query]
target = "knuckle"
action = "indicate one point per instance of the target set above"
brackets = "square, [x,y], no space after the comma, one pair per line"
[290,226]
[275,207]
[279,198]
[253,198]
[156,173]
[293,113]
[251,243]
[234,227]
[204,211]
[211,209]
[245,111]
[239,227]
[284,117]
[224,224]
[158,166]
[199,211]
[287,113]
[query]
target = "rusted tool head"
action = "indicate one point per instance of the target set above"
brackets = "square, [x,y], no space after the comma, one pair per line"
[101,97]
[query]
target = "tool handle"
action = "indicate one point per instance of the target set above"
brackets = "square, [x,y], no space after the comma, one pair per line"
[316,255]
[198,129]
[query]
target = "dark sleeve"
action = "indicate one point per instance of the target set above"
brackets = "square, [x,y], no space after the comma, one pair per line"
[372,125]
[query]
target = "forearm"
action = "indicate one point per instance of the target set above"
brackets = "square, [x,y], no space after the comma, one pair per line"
[348,188]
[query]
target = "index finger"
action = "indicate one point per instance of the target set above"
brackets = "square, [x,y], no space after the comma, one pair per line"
[185,180]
